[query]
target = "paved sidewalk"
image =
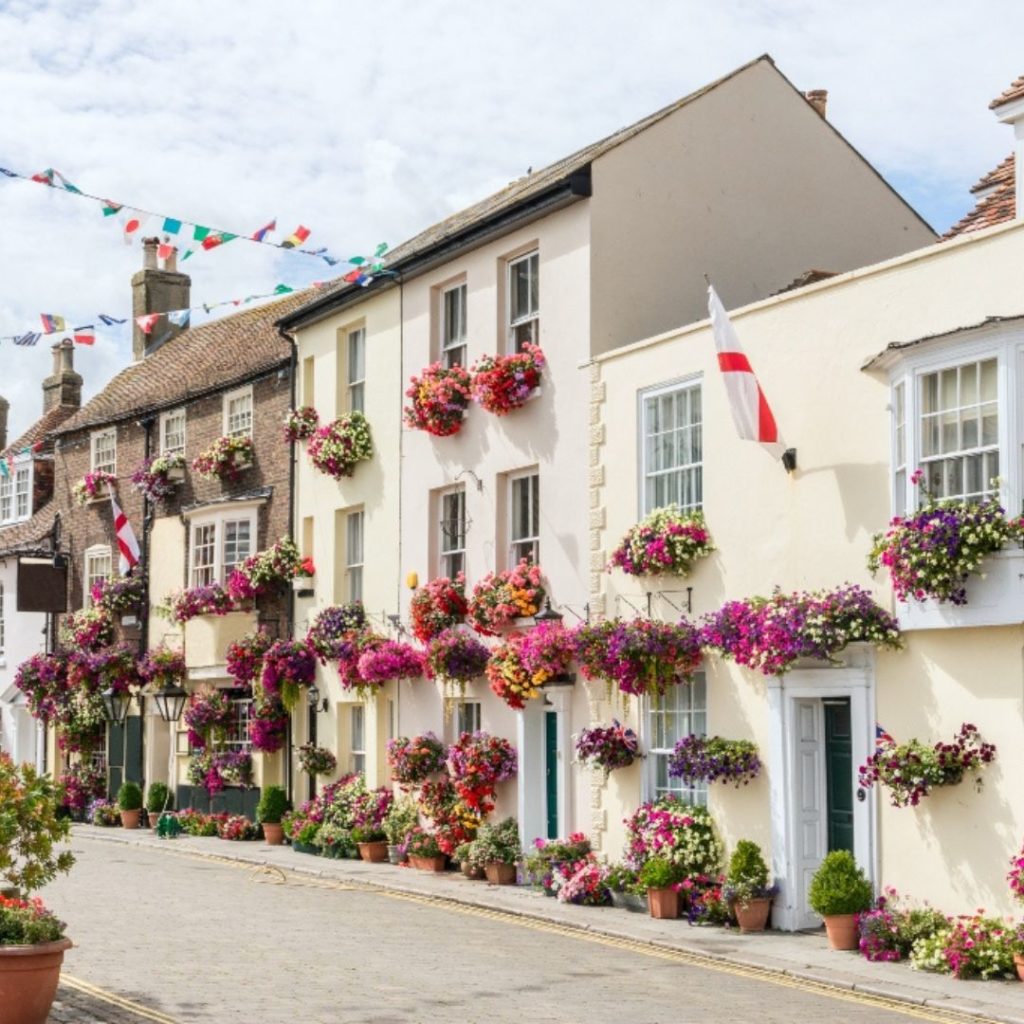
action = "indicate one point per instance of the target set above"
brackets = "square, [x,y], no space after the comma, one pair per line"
[801,955]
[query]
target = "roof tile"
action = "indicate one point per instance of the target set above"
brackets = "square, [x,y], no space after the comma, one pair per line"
[1014,92]
[997,207]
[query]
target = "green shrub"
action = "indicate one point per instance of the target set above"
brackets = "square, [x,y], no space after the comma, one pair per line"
[622,878]
[129,796]
[368,834]
[748,865]
[401,819]
[661,873]
[158,798]
[497,844]
[839,886]
[272,806]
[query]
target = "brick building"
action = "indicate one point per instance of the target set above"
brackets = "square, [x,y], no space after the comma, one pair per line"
[183,391]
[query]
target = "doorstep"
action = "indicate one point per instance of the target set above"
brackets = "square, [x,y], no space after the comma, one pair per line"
[802,955]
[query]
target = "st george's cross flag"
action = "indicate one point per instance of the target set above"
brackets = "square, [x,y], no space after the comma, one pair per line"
[750,412]
[127,545]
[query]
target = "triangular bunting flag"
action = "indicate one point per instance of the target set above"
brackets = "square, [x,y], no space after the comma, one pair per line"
[27,339]
[283,289]
[262,233]
[110,208]
[4,471]
[44,177]
[179,317]
[221,238]
[110,320]
[147,321]
[164,250]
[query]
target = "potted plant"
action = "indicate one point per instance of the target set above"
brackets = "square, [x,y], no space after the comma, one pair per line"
[401,819]
[104,814]
[422,850]
[660,876]
[94,486]
[372,843]
[623,882]
[498,848]
[269,812]
[129,800]
[32,941]
[471,868]
[746,887]
[501,384]
[158,800]
[839,891]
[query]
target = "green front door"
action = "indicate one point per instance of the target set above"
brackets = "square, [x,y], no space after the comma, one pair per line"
[839,774]
[551,771]
[124,754]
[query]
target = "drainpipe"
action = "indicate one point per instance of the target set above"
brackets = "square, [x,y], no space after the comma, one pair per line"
[292,366]
[148,512]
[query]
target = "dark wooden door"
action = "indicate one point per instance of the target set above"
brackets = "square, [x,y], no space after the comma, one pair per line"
[551,771]
[839,774]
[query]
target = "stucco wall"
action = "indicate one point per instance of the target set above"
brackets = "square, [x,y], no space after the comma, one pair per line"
[746,184]
[23,637]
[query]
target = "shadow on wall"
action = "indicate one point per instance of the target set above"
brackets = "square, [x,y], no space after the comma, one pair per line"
[863,495]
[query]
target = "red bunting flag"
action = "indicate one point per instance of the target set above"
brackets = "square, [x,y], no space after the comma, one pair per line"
[164,250]
[85,335]
[147,322]
[296,238]
[133,222]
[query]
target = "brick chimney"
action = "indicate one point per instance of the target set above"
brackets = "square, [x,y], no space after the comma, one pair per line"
[5,408]
[818,98]
[63,386]
[157,289]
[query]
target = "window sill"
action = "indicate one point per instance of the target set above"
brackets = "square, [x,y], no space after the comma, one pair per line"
[995,599]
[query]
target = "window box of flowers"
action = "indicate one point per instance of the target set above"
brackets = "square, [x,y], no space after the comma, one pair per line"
[226,459]
[422,850]
[94,486]
[124,596]
[910,770]
[304,578]
[300,424]
[710,759]
[339,447]
[439,399]
[667,542]
[502,384]
[159,475]
[499,848]
[499,599]
[264,572]
[954,563]
[32,942]
[193,601]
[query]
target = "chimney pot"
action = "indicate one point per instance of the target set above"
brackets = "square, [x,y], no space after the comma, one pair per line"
[149,246]
[64,386]
[4,409]
[157,290]
[171,263]
[818,98]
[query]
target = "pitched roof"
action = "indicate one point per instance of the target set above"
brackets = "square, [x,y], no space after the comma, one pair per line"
[998,206]
[1014,91]
[29,535]
[39,431]
[215,355]
[807,277]
[532,185]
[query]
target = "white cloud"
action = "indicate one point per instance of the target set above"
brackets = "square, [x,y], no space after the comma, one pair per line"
[367,122]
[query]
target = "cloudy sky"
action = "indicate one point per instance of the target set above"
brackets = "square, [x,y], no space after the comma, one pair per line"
[368,121]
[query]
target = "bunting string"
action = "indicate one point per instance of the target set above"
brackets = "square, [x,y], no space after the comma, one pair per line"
[203,238]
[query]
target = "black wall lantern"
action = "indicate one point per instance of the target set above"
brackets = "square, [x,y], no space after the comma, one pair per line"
[170,702]
[313,698]
[115,705]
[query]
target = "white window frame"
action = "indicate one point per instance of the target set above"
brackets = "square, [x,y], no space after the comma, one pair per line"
[645,504]
[531,538]
[451,555]
[236,733]
[658,755]
[166,419]
[241,429]
[355,386]
[22,492]
[468,712]
[219,521]
[7,496]
[1003,342]
[533,315]
[357,750]
[95,440]
[355,561]
[97,553]
[454,348]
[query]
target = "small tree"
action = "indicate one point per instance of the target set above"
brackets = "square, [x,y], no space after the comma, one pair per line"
[29,827]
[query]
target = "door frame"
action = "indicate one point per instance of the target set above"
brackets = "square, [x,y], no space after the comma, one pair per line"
[855,680]
[532,794]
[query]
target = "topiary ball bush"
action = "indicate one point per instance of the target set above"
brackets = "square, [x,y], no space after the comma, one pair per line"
[129,796]
[839,886]
[157,798]
[748,865]
[272,806]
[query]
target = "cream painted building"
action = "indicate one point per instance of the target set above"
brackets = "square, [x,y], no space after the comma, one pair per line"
[860,422]
[744,179]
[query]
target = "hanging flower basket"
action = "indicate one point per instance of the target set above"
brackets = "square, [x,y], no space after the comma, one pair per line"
[158,476]
[43,679]
[94,487]
[300,424]
[207,715]
[607,747]
[413,761]
[120,595]
[304,577]
[264,571]
[504,383]
[226,459]
[477,762]
[329,634]
[244,658]
[666,541]
[713,759]
[288,665]
[268,723]
[501,598]
[456,658]
[439,399]
[187,604]
[546,652]
[390,660]
[163,667]
[933,553]
[770,634]
[86,630]
[314,760]
[340,446]
[508,677]
[438,606]
[910,770]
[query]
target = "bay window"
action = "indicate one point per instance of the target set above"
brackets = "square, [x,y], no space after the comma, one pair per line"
[220,542]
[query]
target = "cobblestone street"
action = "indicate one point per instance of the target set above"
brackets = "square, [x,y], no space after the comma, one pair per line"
[198,941]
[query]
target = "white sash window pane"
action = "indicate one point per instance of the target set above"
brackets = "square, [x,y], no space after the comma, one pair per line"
[357,370]
[237,545]
[525,519]
[204,555]
[354,555]
[239,414]
[673,448]
[453,327]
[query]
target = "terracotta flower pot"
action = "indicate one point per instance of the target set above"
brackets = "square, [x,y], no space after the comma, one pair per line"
[427,863]
[1018,962]
[752,916]
[472,871]
[500,874]
[375,852]
[841,930]
[663,903]
[130,819]
[273,833]
[28,981]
